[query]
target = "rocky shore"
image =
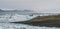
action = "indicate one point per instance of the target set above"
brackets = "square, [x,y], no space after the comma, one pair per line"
[48,21]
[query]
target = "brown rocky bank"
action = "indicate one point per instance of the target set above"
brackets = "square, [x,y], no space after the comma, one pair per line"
[48,21]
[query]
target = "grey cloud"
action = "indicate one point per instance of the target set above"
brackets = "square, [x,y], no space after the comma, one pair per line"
[30,4]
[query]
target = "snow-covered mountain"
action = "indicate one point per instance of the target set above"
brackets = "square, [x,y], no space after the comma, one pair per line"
[16,10]
[1,10]
[21,12]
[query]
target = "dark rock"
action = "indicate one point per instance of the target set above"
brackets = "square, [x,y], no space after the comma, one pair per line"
[48,21]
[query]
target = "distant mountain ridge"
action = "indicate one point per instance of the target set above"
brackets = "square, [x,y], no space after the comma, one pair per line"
[16,10]
[1,10]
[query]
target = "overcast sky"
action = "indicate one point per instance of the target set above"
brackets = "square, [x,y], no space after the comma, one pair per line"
[37,5]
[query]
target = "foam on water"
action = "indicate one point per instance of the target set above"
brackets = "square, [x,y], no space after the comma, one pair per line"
[22,26]
[8,18]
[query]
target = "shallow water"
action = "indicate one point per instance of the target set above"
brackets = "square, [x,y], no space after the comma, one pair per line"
[22,26]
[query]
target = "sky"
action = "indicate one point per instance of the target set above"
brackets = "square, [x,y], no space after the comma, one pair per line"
[36,5]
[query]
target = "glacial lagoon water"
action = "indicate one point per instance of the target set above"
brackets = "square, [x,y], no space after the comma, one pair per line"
[5,19]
